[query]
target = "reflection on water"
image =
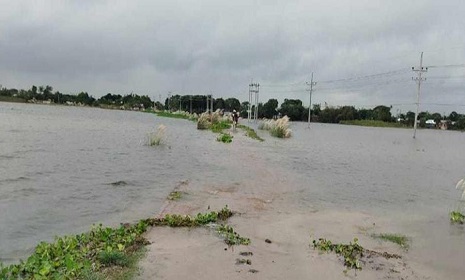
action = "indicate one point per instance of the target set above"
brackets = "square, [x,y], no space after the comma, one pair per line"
[64,168]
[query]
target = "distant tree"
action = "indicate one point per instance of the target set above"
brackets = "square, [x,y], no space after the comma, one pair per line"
[382,113]
[453,116]
[232,104]
[292,108]
[269,109]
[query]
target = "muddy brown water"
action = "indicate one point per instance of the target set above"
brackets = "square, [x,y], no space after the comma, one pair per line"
[63,169]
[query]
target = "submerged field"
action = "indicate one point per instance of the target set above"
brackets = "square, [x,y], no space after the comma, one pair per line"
[79,166]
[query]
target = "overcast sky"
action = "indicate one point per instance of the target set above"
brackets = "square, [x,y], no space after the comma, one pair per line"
[196,47]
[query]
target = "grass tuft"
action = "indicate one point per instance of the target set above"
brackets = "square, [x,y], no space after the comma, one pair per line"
[278,128]
[174,195]
[157,138]
[399,239]
[249,132]
[109,258]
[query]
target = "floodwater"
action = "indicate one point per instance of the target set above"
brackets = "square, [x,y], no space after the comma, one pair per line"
[63,169]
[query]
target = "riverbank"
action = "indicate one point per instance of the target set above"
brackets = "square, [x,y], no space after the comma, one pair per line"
[281,235]
[373,123]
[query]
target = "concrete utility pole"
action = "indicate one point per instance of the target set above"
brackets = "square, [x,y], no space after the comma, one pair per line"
[311,84]
[207,104]
[420,70]
[253,88]
[211,100]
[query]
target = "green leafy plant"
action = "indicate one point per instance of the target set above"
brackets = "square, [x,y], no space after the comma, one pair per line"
[225,138]
[174,195]
[399,239]
[457,217]
[231,237]
[351,252]
[173,220]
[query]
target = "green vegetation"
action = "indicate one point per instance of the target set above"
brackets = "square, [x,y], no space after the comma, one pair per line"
[196,104]
[351,252]
[174,115]
[219,126]
[231,237]
[225,138]
[457,217]
[102,253]
[401,240]
[174,195]
[373,123]
[12,99]
[249,132]
[188,221]
[85,255]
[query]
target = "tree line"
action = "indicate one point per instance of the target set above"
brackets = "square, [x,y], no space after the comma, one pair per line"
[293,108]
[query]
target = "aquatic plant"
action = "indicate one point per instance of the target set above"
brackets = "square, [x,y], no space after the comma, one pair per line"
[278,128]
[174,195]
[157,138]
[218,126]
[225,138]
[457,217]
[231,237]
[351,252]
[399,239]
[174,220]
[73,257]
[101,253]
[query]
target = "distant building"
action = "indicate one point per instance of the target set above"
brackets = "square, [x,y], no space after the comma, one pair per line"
[430,123]
[444,124]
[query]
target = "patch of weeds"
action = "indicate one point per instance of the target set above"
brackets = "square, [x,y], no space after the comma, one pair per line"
[224,137]
[174,195]
[109,258]
[249,132]
[231,237]
[399,239]
[219,126]
[188,221]
[157,138]
[351,252]
[83,256]
[457,217]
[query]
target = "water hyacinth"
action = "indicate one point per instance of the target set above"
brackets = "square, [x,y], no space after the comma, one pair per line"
[278,128]
[157,138]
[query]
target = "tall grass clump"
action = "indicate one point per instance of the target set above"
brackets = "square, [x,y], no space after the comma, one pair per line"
[203,122]
[278,128]
[157,138]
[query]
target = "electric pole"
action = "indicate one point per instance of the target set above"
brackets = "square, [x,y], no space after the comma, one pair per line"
[311,84]
[420,70]
[253,88]
[207,104]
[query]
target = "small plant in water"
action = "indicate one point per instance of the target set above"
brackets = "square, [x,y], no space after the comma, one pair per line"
[157,138]
[399,239]
[457,217]
[224,137]
[278,128]
[231,237]
[351,252]
[174,195]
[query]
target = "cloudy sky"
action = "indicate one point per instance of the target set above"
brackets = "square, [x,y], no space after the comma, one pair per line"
[361,51]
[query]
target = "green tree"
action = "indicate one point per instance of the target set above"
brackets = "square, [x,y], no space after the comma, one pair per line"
[270,108]
[292,108]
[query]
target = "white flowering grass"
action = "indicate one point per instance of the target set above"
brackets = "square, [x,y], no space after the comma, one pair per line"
[157,138]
